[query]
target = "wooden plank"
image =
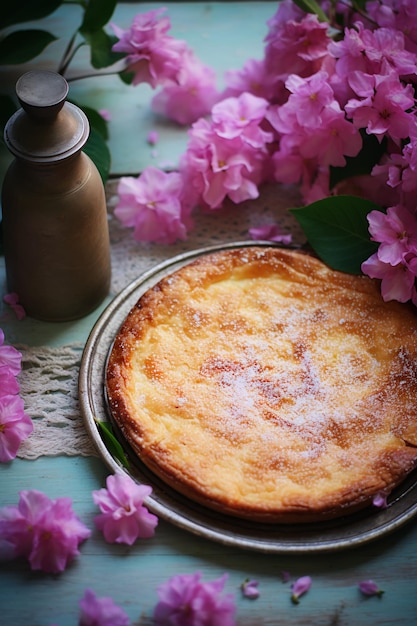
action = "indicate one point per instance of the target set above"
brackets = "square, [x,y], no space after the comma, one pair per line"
[131,575]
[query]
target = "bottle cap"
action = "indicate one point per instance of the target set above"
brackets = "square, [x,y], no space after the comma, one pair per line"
[47,128]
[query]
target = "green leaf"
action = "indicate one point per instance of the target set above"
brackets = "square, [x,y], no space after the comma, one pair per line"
[26,11]
[101,49]
[311,6]
[337,230]
[97,14]
[112,444]
[23,45]
[96,146]
[99,153]
[126,77]
[97,121]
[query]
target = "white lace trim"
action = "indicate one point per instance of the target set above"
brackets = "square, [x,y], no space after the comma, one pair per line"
[49,377]
[49,387]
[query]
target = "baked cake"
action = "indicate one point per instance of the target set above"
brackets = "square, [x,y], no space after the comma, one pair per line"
[260,383]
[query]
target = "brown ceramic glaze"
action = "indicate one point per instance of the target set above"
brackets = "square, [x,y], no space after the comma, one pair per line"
[56,240]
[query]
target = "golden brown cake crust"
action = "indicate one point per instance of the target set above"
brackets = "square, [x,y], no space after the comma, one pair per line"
[264,385]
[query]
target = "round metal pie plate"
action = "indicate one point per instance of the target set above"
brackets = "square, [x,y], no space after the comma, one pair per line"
[171,506]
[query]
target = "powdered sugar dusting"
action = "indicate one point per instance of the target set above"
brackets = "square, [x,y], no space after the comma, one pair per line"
[284,377]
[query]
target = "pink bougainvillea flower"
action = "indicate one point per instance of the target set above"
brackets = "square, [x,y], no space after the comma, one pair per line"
[12,299]
[15,426]
[395,262]
[373,52]
[221,168]
[270,232]
[18,524]
[253,78]
[380,500]
[335,139]
[9,385]
[313,135]
[349,52]
[46,532]
[382,106]
[9,357]
[57,537]
[124,518]
[299,588]
[151,204]
[296,43]
[103,611]
[309,96]
[188,86]
[151,55]
[400,15]
[192,96]
[370,588]
[226,157]
[313,124]
[185,600]
[396,231]
[242,117]
[386,47]
[397,281]
[377,51]
[250,589]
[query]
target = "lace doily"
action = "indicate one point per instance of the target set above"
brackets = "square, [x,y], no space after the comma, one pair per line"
[49,388]
[130,258]
[49,377]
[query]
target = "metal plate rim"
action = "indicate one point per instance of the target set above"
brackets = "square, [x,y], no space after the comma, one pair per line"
[92,401]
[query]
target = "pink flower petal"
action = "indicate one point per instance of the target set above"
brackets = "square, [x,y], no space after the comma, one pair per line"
[152,205]
[95,611]
[46,532]
[57,537]
[370,588]
[9,357]
[15,426]
[153,56]
[300,587]
[9,385]
[152,138]
[186,601]
[270,232]
[250,589]
[380,500]
[12,299]
[192,96]
[124,518]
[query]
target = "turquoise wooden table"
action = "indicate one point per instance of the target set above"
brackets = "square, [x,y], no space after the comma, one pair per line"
[60,459]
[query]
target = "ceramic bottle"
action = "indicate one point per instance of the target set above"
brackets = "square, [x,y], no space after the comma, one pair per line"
[54,217]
